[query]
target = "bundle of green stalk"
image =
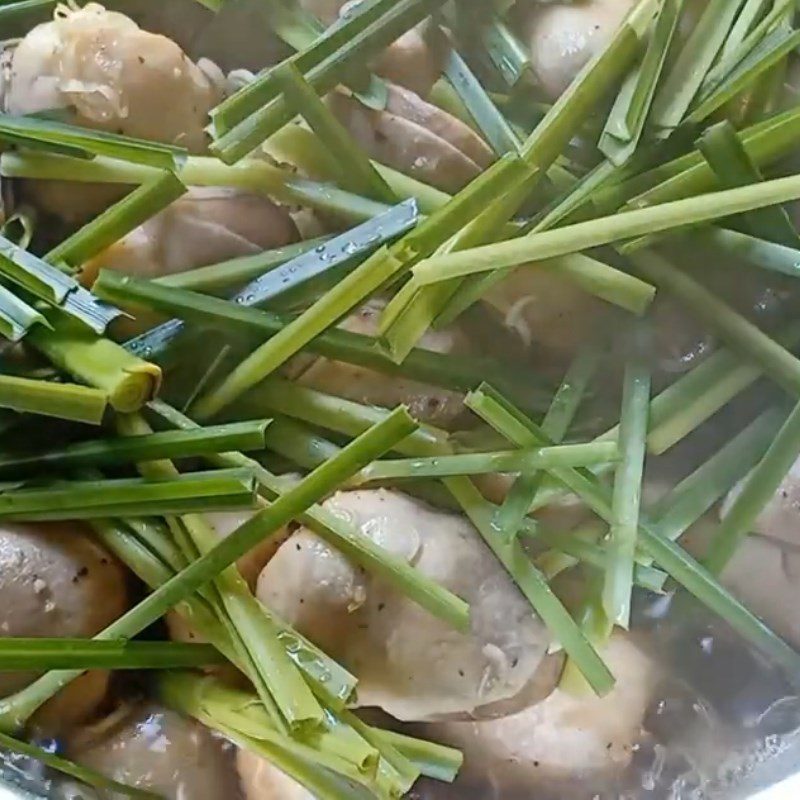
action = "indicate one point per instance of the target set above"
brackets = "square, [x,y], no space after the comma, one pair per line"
[670,139]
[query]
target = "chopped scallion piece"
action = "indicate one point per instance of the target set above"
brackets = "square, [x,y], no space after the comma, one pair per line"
[61,400]
[627,493]
[524,461]
[201,491]
[169,444]
[759,488]
[44,653]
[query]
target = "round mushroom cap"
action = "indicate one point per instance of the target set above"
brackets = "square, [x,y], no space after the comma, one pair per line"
[56,581]
[204,226]
[780,517]
[764,574]
[409,61]
[565,737]
[426,403]
[415,137]
[409,663]
[108,74]
[113,76]
[263,781]
[550,314]
[563,37]
[157,749]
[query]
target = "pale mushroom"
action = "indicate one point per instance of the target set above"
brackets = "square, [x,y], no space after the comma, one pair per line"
[156,749]
[106,73]
[56,581]
[409,663]
[566,737]
[563,37]
[205,226]
[415,137]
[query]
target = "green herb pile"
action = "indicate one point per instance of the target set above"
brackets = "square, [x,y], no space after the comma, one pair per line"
[681,141]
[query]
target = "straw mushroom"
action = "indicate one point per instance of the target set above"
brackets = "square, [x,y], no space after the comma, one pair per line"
[205,226]
[410,664]
[565,738]
[56,581]
[156,749]
[563,37]
[415,137]
[108,74]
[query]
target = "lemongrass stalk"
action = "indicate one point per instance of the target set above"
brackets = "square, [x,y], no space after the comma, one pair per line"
[253,175]
[432,760]
[353,169]
[605,230]
[723,151]
[412,310]
[581,549]
[759,488]
[555,424]
[253,95]
[364,281]
[36,276]
[345,537]
[679,509]
[627,492]
[204,619]
[281,396]
[203,491]
[61,400]
[449,371]
[129,382]
[233,273]
[588,88]
[16,709]
[44,653]
[739,333]
[491,123]
[769,52]
[16,316]
[326,261]
[756,252]
[36,132]
[145,563]
[296,144]
[524,461]
[695,397]
[509,56]
[169,444]
[22,8]
[590,274]
[211,703]
[670,557]
[689,175]
[251,131]
[533,586]
[691,65]
[383,267]
[626,120]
